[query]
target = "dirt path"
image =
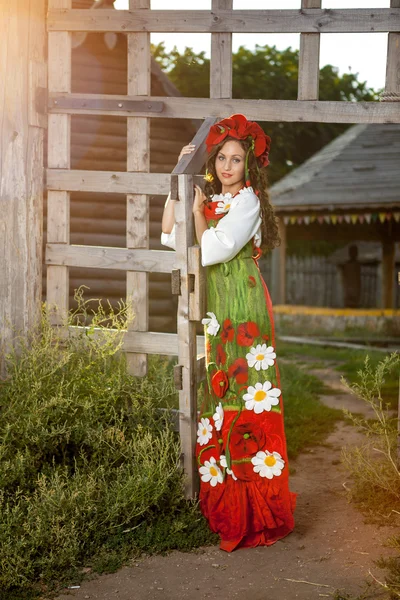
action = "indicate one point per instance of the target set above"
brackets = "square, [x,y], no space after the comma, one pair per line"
[331,548]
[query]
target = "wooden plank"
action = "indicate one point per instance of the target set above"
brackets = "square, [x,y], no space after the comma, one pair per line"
[194,162]
[197,297]
[221,57]
[388,265]
[308,87]
[187,352]
[138,159]
[358,20]
[121,259]
[118,182]
[392,84]
[59,144]
[22,39]
[267,110]
[150,342]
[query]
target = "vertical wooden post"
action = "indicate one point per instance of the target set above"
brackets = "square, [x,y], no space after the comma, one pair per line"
[392,84]
[23,72]
[137,218]
[221,57]
[308,87]
[59,150]
[388,264]
[278,267]
[187,353]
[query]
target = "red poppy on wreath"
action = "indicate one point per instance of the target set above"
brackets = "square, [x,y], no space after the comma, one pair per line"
[219,383]
[221,355]
[246,333]
[228,332]
[239,128]
[239,370]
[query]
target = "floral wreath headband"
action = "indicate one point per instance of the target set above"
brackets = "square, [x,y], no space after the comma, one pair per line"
[239,128]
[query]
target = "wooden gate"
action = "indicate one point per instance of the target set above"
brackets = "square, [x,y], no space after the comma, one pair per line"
[137,183]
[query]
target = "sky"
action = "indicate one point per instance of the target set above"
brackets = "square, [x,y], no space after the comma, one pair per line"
[362,53]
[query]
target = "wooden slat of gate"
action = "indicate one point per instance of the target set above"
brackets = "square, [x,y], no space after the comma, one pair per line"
[308,86]
[186,335]
[312,111]
[59,128]
[356,20]
[137,224]
[221,57]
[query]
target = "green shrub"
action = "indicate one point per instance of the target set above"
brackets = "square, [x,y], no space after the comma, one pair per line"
[374,466]
[89,465]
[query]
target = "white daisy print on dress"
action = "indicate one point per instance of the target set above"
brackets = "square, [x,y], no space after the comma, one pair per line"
[212,324]
[261,397]
[211,472]
[223,463]
[268,464]
[224,204]
[204,432]
[261,357]
[218,417]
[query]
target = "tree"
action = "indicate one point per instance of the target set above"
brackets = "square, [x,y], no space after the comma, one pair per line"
[269,73]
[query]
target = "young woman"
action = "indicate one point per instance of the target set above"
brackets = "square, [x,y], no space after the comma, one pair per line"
[241,446]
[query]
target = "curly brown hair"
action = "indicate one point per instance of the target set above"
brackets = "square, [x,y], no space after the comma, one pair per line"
[259,182]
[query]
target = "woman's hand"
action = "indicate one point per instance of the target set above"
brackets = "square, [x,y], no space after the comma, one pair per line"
[186,150]
[199,199]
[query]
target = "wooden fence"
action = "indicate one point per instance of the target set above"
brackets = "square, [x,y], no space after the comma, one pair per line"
[137,183]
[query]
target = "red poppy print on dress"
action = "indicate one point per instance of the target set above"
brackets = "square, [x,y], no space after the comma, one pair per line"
[228,332]
[252,281]
[220,383]
[239,369]
[221,355]
[246,333]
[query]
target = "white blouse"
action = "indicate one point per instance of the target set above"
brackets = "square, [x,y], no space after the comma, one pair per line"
[240,224]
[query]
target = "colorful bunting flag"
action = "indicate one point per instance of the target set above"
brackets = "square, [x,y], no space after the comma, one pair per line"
[352,218]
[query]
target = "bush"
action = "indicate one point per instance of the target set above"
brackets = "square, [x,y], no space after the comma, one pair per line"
[89,465]
[375,465]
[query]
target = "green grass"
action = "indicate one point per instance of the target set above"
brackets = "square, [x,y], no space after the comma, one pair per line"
[350,363]
[307,421]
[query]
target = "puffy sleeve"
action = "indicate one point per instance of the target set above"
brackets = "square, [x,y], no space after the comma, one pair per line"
[221,243]
[168,239]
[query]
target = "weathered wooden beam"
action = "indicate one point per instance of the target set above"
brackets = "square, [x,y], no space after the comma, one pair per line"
[149,342]
[138,160]
[59,152]
[266,110]
[357,20]
[308,87]
[119,182]
[23,58]
[221,57]
[120,259]
[187,354]
[392,83]
[388,264]
[194,162]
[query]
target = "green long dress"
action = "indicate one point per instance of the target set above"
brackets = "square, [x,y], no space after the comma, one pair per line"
[241,446]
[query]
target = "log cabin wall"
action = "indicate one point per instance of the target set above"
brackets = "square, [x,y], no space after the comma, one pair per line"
[99,65]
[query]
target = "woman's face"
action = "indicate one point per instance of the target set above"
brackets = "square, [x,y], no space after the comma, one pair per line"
[229,164]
